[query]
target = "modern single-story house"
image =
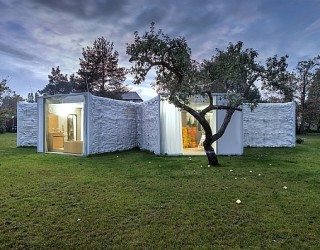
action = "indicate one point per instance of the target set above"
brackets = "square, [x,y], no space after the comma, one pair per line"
[83,124]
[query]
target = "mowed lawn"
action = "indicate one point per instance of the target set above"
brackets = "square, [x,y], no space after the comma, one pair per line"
[136,200]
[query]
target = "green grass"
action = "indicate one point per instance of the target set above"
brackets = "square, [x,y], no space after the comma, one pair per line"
[136,200]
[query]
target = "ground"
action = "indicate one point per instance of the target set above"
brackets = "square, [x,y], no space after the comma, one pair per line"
[134,200]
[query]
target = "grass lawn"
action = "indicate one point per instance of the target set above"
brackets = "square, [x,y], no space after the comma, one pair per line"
[136,200]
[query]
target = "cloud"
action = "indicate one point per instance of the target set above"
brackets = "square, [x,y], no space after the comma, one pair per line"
[12,50]
[41,34]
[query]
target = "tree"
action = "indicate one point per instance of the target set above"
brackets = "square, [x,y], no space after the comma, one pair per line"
[99,71]
[8,104]
[304,76]
[58,83]
[295,85]
[281,82]
[30,98]
[178,75]
[3,89]
[313,103]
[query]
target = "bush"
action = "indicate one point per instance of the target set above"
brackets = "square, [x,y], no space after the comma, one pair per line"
[299,140]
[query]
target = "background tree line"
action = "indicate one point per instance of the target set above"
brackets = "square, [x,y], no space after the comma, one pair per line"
[8,105]
[301,85]
[235,68]
[99,74]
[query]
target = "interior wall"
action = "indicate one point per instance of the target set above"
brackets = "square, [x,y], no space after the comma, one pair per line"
[269,125]
[27,127]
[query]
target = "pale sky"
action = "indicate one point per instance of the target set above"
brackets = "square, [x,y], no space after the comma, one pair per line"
[37,35]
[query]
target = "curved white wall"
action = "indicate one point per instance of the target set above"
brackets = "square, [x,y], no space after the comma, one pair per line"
[112,125]
[148,125]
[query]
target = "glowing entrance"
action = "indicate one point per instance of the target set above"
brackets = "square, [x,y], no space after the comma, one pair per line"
[64,124]
[193,134]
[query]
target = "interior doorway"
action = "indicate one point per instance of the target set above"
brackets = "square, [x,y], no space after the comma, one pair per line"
[64,124]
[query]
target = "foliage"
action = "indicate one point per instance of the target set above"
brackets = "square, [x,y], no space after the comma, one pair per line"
[8,104]
[305,74]
[3,87]
[171,57]
[32,97]
[233,70]
[313,103]
[280,80]
[299,140]
[99,72]
[295,86]
[58,83]
[136,200]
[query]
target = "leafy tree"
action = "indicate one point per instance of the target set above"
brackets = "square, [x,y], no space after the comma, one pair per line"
[282,83]
[304,76]
[30,98]
[295,85]
[8,104]
[313,103]
[99,71]
[58,83]
[3,89]
[178,75]
[3,86]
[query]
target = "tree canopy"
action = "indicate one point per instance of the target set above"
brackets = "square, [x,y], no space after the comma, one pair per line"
[234,70]
[99,72]
[58,83]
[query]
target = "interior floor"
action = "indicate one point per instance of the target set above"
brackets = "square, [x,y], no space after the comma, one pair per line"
[194,151]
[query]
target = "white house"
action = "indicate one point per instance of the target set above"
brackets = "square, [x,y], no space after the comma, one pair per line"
[84,124]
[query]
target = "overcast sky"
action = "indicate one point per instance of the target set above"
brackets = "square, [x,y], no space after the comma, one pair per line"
[37,35]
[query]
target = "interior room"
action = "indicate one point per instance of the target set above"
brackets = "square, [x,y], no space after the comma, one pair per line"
[64,130]
[181,133]
[193,134]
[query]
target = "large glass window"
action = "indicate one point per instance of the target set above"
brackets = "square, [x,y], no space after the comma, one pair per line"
[193,134]
[64,124]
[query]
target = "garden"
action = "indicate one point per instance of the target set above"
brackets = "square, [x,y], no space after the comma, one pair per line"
[267,198]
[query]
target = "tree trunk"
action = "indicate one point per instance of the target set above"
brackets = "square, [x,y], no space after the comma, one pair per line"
[211,155]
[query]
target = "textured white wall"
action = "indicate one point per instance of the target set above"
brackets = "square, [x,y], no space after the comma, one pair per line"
[27,128]
[269,125]
[112,125]
[148,130]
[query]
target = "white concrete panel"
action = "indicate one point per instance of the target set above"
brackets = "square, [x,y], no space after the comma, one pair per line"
[40,132]
[269,125]
[231,143]
[27,119]
[148,125]
[113,125]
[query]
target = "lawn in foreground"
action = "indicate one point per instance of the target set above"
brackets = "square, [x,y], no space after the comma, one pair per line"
[134,200]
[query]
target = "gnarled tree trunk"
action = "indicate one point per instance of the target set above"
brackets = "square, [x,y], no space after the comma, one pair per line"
[211,154]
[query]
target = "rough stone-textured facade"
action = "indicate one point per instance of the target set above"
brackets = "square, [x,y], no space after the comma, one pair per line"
[27,124]
[269,125]
[117,125]
[112,125]
[148,132]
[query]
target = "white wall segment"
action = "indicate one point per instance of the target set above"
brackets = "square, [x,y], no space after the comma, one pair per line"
[269,125]
[27,124]
[113,125]
[148,125]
